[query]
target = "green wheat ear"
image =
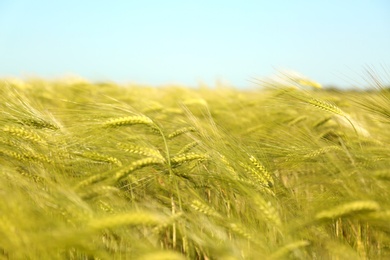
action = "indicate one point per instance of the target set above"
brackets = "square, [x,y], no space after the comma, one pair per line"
[188,147]
[348,209]
[186,157]
[140,150]
[137,165]
[181,131]
[24,133]
[205,209]
[101,158]
[125,219]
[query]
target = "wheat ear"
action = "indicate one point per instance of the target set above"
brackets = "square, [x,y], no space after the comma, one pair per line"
[348,209]
[101,158]
[269,212]
[205,209]
[40,123]
[257,176]
[326,106]
[259,166]
[24,134]
[336,110]
[188,147]
[137,165]
[240,230]
[126,219]
[93,192]
[323,150]
[181,131]
[186,157]
[25,156]
[135,149]
[129,120]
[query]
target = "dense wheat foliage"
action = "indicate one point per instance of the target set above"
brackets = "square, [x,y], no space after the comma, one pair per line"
[99,171]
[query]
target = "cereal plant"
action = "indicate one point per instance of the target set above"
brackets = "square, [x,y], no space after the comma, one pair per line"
[101,171]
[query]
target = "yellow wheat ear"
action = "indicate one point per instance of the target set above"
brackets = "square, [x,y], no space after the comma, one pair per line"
[300,79]
[308,83]
[291,79]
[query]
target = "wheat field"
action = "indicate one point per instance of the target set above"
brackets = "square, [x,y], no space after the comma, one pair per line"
[102,171]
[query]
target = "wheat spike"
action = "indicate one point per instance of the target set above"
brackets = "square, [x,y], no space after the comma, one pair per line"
[101,158]
[322,151]
[126,219]
[40,123]
[326,106]
[12,154]
[348,209]
[135,149]
[129,120]
[105,207]
[258,176]
[91,180]
[37,157]
[137,165]
[24,134]
[186,157]
[269,212]
[92,192]
[36,178]
[25,156]
[181,131]
[188,147]
[240,230]
[267,176]
[205,209]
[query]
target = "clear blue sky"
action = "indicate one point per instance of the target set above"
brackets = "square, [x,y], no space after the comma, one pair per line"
[159,42]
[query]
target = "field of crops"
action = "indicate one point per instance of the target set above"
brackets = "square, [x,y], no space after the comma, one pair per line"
[100,171]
